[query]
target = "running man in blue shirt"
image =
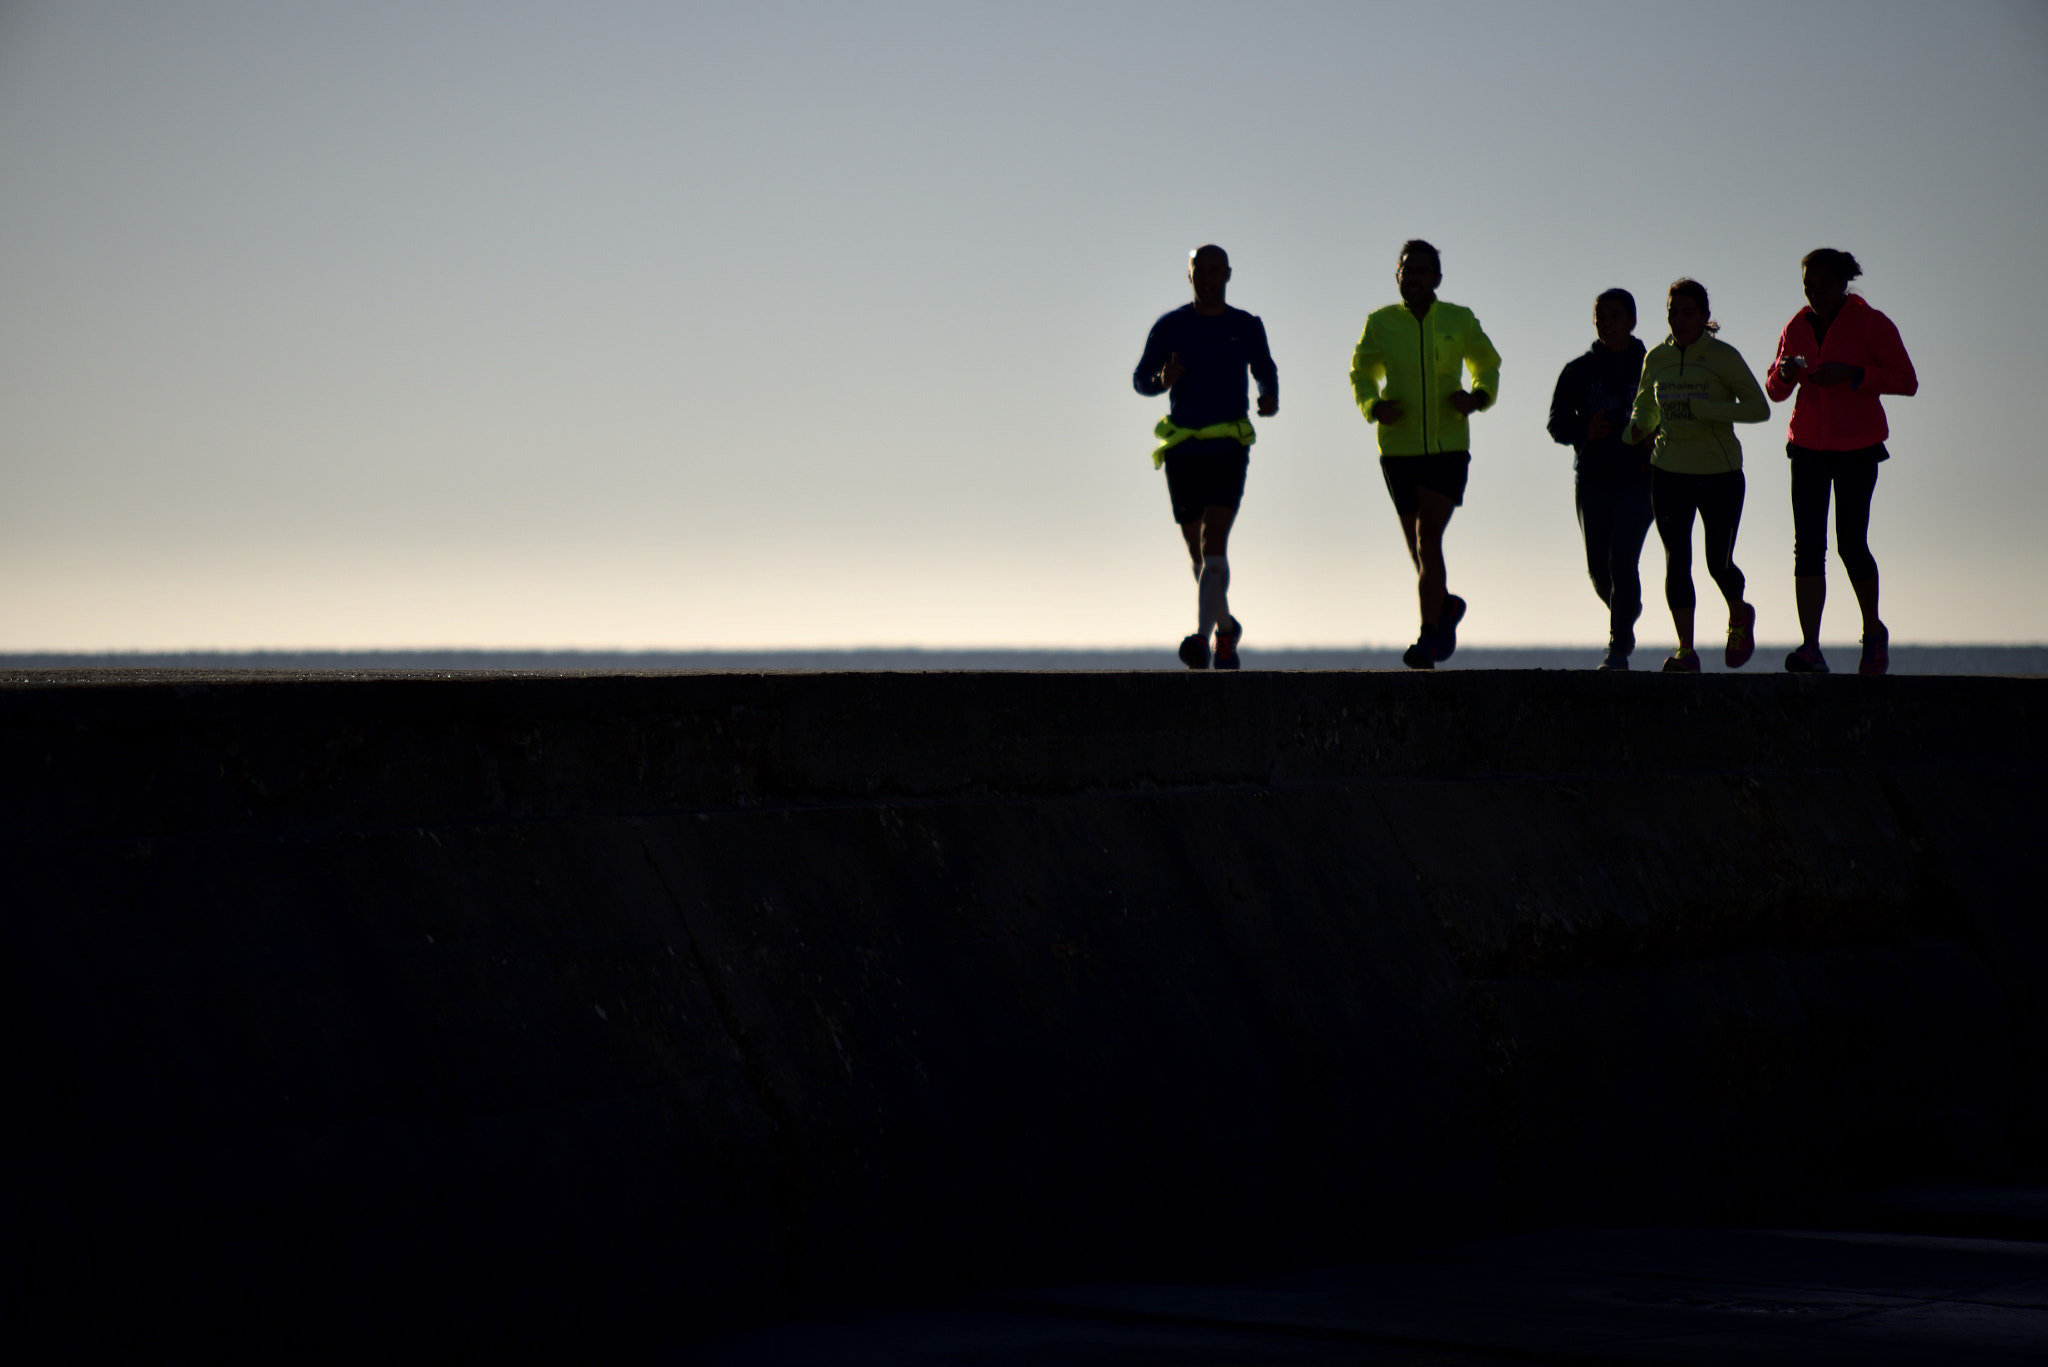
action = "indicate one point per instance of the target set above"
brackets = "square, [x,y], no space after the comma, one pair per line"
[1200,354]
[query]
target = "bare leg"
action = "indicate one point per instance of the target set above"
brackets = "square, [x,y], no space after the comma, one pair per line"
[1423,533]
[1191,532]
[1209,534]
[1206,536]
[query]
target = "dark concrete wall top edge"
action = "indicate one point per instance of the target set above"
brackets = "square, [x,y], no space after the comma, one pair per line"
[186,751]
[12,679]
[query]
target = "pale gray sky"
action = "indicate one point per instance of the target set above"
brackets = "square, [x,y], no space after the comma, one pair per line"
[629,325]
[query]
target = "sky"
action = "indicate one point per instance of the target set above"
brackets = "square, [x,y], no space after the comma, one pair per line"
[616,325]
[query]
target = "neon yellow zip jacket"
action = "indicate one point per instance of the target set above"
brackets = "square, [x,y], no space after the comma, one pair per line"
[1419,363]
[1693,396]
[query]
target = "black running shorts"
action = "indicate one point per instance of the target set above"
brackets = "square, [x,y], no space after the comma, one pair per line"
[1443,472]
[1206,474]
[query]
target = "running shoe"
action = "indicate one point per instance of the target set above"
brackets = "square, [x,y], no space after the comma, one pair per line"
[1194,652]
[1616,657]
[1447,620]
[1806,660]
[1683,662]
[1877,656]
[1741,636]
[1422,655]
[1226,645]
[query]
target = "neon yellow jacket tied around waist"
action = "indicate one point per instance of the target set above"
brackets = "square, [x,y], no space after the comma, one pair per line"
[1171,436]
[1419,363]
[1692,397]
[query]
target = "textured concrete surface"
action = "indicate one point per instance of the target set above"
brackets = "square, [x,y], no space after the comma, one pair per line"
[547,1000]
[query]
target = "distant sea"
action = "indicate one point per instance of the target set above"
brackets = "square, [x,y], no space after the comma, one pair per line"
[1906,659]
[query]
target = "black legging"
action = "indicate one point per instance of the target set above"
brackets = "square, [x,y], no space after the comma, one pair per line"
[1853,476]
[1718,501]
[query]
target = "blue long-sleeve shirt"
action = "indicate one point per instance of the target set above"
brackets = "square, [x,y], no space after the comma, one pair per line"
[1217,350]
[1594,381]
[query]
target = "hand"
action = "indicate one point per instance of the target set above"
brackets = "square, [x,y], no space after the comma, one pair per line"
[1635,435]
[1601,427]
[1463,402]
[1268,405]
[1788,372]
[1170,373]
[1832,372]
[1386,412]
[1649,439]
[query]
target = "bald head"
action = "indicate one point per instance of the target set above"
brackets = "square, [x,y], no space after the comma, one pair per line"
[1208,272]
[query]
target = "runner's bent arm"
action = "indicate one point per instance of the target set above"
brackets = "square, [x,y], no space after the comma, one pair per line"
[1888,369]
[1781,390]
[1567,424]
[1145,379]
[1264,372]
[1483,363]
[1646,417]
[1368,369]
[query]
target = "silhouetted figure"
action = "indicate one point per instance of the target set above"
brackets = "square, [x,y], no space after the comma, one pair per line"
[1840,354]
[1201,352]
[1408,375]
[1694,388]
[1611,478]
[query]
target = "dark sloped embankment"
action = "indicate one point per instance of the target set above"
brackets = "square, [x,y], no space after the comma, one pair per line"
[504,999]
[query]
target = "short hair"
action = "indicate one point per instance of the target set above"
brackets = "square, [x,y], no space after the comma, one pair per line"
[1688,288]
[1616,296]
[1834,261]
[1209,247]
[1415,246]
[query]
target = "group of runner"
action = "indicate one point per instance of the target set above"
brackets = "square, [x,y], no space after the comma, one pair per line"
[1652,430]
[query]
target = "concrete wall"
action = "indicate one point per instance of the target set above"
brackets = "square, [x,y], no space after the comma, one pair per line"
[501,1000]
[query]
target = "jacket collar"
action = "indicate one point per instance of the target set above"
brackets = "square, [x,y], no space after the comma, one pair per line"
[1851,303]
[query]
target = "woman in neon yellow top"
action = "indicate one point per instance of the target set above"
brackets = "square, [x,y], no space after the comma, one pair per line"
[1695,388]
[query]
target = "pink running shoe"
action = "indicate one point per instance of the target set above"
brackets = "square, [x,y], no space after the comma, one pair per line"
[1226,645]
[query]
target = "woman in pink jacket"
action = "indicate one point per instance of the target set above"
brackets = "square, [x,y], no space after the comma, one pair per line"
[1840,354]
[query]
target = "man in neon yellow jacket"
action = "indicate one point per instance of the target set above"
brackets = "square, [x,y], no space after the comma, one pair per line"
[1408,375]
